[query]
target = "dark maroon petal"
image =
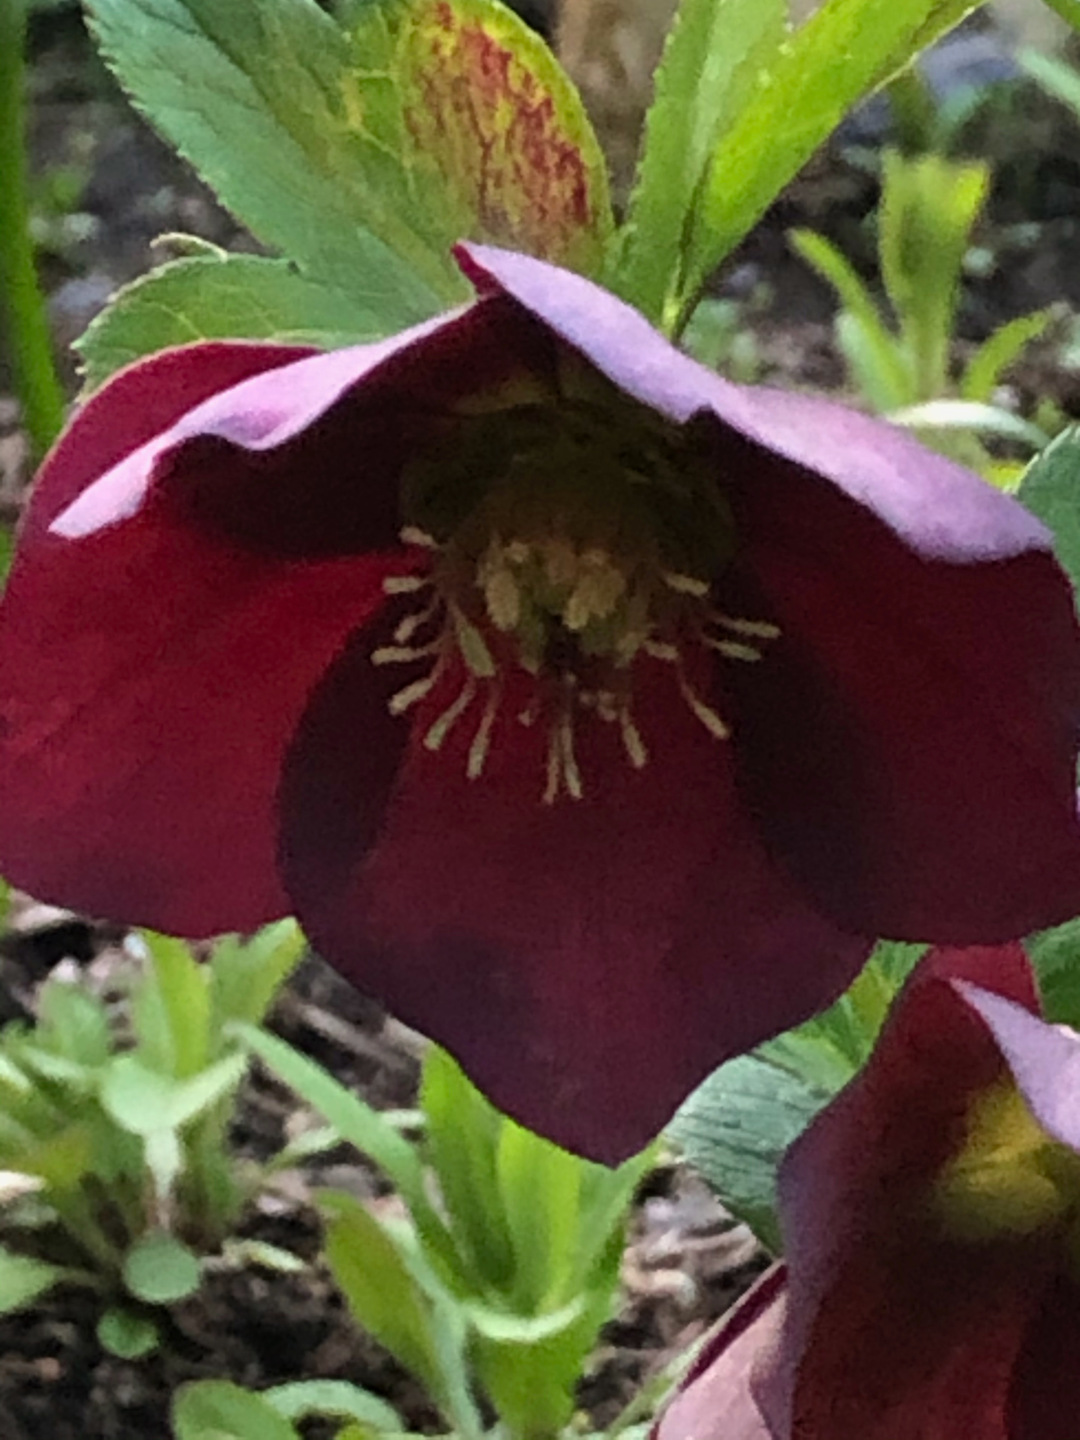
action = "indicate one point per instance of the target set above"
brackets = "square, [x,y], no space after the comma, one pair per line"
[150,681]
[715,1401]
[1045,1399]
[909,744]
[909,747]
[135,405]
[1044,1060]
[587,961]
[894,1330]
[304,460]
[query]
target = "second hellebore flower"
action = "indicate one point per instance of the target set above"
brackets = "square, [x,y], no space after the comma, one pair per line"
[593,712]
[932,1227]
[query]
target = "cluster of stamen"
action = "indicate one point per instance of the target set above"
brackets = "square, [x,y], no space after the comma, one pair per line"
[570,597]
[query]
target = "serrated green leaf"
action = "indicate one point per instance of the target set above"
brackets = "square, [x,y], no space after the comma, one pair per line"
[711,59]
[160,1269]
[221,296]
[735,1128]
[261,97]
[843,51]
[220,1410]
[336,1398]
[23,1280]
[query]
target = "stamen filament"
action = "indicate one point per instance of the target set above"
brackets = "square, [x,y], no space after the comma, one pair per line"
[405,699]
[731,648]
[413,535]
[635,747]
[755,629]
[707,716]
[400,654]
[441,728]
[478,750]
[404,584]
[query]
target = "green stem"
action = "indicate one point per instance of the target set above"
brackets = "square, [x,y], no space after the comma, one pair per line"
[22,306]
[1069,10]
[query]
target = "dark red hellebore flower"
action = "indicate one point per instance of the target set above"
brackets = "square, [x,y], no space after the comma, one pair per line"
[594,713]
[932,1221]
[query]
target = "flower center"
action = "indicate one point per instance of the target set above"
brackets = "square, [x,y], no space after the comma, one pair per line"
[1011,1178]
[565,541]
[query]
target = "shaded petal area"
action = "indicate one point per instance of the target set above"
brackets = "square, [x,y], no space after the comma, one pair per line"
[150,681]
[137,404]
[304,460]
[588,961]
[909,744]
[1045,1398]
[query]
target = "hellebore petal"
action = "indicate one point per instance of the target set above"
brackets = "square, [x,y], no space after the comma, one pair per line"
[895,1322]
[596,713]
[589,962]
[912,739]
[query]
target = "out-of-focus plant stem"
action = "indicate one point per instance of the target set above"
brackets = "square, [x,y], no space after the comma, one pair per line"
[1069,10]
[22,306]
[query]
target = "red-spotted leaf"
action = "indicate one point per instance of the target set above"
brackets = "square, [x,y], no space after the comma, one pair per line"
[501,129]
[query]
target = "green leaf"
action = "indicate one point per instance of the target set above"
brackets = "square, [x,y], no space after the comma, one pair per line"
[497,134]
[23,1280]
[171,1009]
[160,1269]
[126,1334]
[264,98]
[145,1102]
[995,355]
[737,1125]
[73,1023]
[220,1410]
[216,297]
[246,974]
[398,1299]
[711,59]
[462,1138]
[843,51]
[928,208]
[360,1125]
[336,1398]
[1055,955]
[1050,488]
[735,1128]
[1057,77]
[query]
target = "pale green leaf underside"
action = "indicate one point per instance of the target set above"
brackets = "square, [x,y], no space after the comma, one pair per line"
[217,297]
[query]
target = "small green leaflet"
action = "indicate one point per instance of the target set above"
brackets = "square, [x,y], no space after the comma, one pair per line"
[713,55]
[216,297]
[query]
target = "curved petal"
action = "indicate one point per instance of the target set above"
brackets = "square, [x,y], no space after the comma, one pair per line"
[138,403]
[894,1330]
[587,961]
[909,744]
[938,508]
[304,460]
[150,681]
[715,1400]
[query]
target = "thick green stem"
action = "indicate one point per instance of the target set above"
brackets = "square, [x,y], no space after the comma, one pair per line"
[22,307]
